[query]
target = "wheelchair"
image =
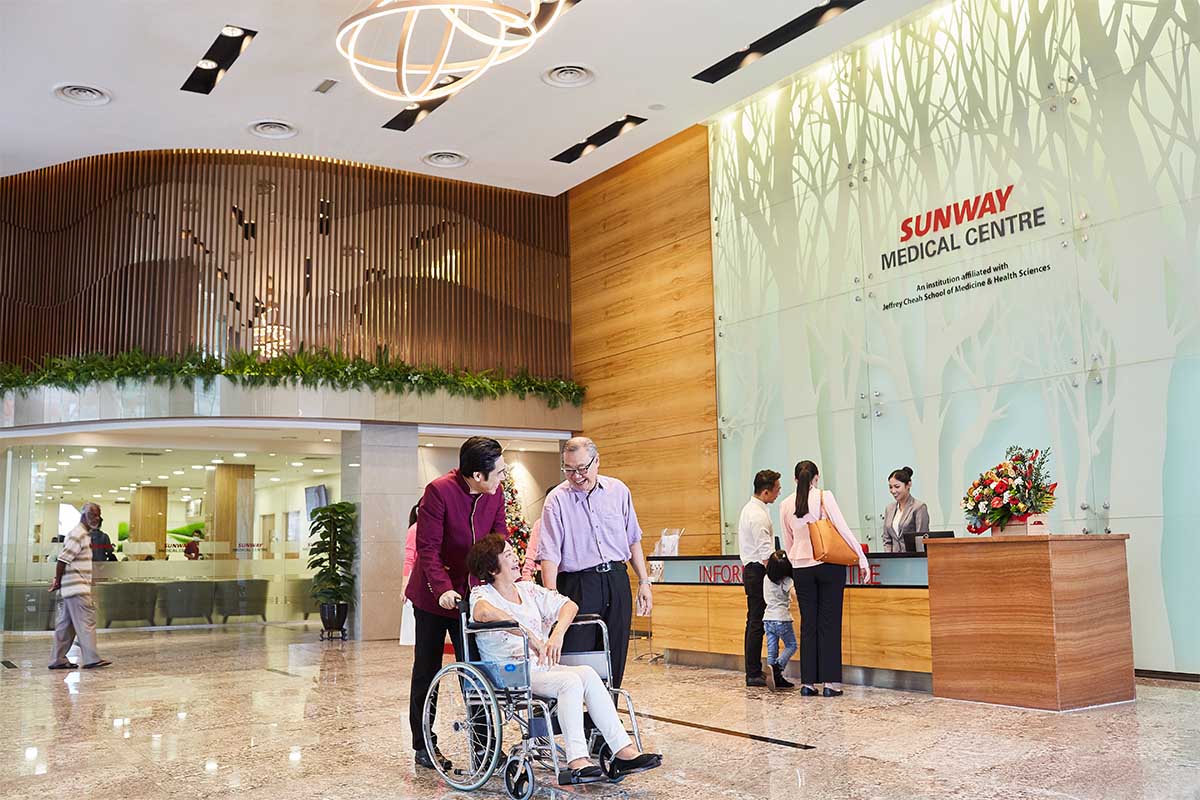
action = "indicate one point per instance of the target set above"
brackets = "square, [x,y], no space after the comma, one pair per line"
[470,702]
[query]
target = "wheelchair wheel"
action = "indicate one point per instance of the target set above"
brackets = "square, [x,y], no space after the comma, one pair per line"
[519,781]
[604,755]
[462,720]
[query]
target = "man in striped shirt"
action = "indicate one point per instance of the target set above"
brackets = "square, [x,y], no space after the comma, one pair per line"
[73,577]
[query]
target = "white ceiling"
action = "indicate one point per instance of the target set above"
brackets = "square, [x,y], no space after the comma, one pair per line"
[509,123]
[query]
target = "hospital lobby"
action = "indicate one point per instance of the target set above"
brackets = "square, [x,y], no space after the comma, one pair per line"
[811,380]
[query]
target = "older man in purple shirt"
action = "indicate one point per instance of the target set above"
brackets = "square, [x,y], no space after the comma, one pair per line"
[589,532]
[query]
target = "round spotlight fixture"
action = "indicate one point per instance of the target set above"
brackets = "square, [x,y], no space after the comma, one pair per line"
[206,63]
[445,159]
[273,129]
[232,31]
[568,76]
[82,95]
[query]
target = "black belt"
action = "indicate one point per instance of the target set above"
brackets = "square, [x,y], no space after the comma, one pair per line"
[606,566]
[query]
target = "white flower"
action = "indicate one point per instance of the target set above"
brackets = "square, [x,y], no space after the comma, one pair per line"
[1017,481]
[983,506]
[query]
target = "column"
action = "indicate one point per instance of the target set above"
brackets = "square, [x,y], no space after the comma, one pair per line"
[379,475]
[229,511]
[148,519]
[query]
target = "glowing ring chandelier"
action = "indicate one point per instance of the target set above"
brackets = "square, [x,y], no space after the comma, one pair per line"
[508,32]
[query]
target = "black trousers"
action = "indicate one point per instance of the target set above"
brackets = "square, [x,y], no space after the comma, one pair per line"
[607,594]
[756,605]
[819,592]
[429,643]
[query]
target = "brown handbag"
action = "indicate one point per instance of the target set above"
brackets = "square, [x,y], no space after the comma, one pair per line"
[827,544]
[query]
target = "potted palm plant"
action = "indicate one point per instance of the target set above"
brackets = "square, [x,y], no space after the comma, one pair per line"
[332,556]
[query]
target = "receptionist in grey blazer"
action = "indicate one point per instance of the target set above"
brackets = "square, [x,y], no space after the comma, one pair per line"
[905,514]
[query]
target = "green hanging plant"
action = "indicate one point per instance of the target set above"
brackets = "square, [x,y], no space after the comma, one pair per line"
[332,554]
[308,368]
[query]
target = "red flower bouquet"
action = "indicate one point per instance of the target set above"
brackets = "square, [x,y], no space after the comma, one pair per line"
[1010,491]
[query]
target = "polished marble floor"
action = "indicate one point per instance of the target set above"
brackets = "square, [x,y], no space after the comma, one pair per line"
[269,712]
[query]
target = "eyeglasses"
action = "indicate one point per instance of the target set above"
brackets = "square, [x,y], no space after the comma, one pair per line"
[581,471]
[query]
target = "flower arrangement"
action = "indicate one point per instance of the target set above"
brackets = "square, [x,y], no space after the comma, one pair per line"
[1010,491]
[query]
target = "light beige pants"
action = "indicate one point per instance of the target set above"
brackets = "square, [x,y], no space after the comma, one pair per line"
[76,620]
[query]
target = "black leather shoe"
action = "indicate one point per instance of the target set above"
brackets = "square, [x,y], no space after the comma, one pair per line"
[827,692]
[756,680]
[808,691]
[423,760]
[628,766]
[780,681]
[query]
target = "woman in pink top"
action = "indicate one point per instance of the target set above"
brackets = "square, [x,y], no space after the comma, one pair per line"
[818,585]
[410,550]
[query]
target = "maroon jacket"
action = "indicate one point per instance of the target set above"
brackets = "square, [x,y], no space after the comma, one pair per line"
[450,521]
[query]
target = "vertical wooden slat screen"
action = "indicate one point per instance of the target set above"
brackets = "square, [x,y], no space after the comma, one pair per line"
[146,250]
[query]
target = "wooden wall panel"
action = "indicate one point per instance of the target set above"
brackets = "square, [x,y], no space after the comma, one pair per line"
[148,518]
[218,251]
[680,619]
[642,312]
[221,515]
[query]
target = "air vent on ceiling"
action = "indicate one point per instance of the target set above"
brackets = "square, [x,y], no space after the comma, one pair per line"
[273,129]
[788,32]
[445,159]
[230,43]
[568,76]
[324,86]
[142,453]
[599,139]
[82,95]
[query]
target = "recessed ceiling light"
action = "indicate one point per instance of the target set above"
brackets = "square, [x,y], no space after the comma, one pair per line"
[82,95]
[568,76]
[51,469]
[176,472]
[297,463]
[57,486]
[327,440]
[122,498]
[66,493]
[197,466]
[318,471]
[239,455]
[272,129]
[429,444]
[63,463]
[168,450]
[276,480]
[446,159]
[145,483]
[185,499]
[97,496]
[164,477]
[217,461]
[90,450]
[232,31]
[206,63]
[75,457]
[272,455]
[210,468]
[112,491]
[72,480]
[353,464]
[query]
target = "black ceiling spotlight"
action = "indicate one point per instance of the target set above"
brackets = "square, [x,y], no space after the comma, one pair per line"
[230,43]
[415,112]
[814,18]
[601,137]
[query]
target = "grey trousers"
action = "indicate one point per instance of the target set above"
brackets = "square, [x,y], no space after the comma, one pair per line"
[76,620]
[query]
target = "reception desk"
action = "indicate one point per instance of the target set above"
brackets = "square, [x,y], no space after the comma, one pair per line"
[700,616]
[1036,621]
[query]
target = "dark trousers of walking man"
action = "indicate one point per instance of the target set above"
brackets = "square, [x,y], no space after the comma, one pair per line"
[603,590]
[752,579]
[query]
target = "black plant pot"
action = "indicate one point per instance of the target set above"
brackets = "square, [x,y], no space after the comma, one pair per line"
[333,619]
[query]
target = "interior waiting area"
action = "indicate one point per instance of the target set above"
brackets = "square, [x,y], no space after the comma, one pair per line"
[598,399]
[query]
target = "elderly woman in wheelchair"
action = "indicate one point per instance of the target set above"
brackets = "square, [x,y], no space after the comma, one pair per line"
[518,628]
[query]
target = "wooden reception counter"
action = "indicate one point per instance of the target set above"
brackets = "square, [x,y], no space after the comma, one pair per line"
[1037,621]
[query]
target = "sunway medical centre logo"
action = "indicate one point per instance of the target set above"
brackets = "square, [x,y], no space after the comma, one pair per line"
[986,215]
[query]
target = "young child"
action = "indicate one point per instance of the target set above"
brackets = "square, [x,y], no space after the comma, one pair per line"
[777,620]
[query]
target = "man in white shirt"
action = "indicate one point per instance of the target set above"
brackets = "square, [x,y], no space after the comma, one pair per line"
[73,579]
[756,542]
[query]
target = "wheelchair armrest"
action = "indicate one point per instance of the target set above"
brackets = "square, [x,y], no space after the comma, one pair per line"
[492,626]
[586,618]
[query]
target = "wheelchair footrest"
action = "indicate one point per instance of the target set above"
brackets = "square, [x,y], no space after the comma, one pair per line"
[567,777]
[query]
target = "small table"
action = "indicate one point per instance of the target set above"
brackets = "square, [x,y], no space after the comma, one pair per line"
[1039,621]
